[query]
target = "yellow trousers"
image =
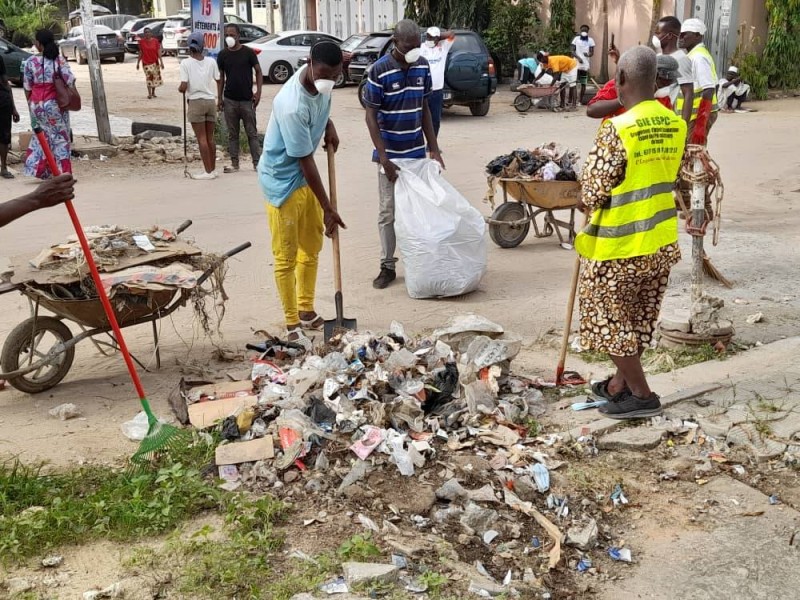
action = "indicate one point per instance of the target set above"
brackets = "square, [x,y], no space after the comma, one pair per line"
[297,232]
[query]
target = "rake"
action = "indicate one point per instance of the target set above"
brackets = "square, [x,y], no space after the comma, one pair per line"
[160,436]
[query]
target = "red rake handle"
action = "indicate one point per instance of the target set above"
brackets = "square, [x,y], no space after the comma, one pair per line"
[101,291]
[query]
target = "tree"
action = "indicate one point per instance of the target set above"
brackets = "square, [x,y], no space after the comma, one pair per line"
[782,51]
[562,26]
[23,18]
[514,26]
[467,14]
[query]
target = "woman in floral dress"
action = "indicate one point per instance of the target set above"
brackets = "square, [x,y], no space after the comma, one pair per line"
[38,79]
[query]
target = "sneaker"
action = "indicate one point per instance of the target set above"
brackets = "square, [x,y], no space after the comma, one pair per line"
[202,175]
[627,406]
[383,280]
[234,168]
[600,390]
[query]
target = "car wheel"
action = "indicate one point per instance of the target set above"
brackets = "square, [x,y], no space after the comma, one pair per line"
[341,81]
[362,90]
[120,58]
[480,109]
[280,72]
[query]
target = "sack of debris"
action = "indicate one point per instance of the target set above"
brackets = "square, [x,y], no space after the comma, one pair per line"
[441,236]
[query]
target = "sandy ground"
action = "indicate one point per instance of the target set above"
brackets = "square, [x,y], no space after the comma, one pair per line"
[525,288]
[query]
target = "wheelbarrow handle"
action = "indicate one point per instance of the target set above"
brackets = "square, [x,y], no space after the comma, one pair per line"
[202,279]
[183,226]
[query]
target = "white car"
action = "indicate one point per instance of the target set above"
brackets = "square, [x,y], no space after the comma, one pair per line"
[279,53]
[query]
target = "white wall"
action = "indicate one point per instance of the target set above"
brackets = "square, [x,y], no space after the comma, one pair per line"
[343,18]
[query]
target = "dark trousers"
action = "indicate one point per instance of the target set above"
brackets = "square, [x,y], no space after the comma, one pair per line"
[246,113]
[435,104]
[525,74]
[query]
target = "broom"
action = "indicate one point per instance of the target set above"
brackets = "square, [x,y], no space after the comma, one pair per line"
[159,435]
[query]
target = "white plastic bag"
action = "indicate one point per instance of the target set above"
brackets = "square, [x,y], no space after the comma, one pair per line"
[441,236]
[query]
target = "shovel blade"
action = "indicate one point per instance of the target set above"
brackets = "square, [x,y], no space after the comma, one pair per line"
[335,326]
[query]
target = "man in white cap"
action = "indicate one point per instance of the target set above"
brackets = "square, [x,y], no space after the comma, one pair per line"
[435,49]
[704,73]
[732,91]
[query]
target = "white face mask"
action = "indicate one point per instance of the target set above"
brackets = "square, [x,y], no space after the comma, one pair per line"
[230,41]
[656,43]
[430,43]
[663,92]
[584,34]
[324,86]
[413,55]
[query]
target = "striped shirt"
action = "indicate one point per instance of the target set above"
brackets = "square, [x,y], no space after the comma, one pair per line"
[398,96]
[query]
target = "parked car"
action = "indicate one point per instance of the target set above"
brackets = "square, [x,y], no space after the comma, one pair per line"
[279,53]
[176,28]
[132,41]
[247,33]
[368,51]
[347,47]
[13,57]
[109,44]
[470,78]
[135,24]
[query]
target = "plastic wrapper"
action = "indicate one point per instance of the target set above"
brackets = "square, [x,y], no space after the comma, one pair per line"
[441,236]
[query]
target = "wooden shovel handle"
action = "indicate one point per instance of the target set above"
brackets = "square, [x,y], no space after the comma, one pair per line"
[337,261]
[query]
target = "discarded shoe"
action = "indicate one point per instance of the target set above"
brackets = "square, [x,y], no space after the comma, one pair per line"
[627,406]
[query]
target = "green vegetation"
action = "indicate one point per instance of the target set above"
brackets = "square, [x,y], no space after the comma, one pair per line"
[435,582]
[514,31]
[781,59]
[562,27]
[23,18]
[41,511]
[662,360]
[358,548]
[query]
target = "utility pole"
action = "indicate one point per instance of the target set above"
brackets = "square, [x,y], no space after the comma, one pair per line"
[698,211]
[95,73]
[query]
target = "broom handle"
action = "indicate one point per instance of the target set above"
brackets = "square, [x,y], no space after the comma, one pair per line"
[576,271]
[101,291]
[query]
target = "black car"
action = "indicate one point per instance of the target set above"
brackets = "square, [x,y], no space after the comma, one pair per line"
[470,78]
[13,58]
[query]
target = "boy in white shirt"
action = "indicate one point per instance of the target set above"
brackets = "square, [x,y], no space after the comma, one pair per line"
[583,50]
[199,76]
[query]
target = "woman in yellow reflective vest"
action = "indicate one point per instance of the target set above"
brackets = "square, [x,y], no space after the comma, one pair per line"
[631,240]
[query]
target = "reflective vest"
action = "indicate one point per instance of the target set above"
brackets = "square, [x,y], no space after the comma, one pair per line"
[640,217]
[699,50]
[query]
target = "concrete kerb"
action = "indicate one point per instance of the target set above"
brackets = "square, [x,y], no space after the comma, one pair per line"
[600,426]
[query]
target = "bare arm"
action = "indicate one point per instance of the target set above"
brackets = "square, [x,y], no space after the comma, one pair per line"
[49,193]
[220,89]
[375,135]
[708,94]
[602,109]
[259,83]
[687,89]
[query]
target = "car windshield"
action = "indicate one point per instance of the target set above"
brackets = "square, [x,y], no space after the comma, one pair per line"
[375,42]
[467,42]
[266,38]
[352,42]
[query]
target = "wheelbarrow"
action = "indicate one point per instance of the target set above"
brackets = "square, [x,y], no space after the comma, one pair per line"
[39,352]
[510,222]
[530,95]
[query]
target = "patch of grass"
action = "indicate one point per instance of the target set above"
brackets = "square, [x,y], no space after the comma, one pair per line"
[435,582]
[663,360]
[40,511]
[359,548]
[592,357]
[533,426]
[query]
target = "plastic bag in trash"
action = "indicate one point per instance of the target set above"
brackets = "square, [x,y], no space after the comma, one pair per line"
[136,429]
[550,170]
[441,236]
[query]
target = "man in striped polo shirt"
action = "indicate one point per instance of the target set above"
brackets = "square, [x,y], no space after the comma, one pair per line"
[396,95]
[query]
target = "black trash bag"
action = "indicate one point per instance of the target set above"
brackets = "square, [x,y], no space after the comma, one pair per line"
[445,381]
[230,430]
[319,412]
[566,162]
[532,166]
[496,166]
[566,175]
[522,155]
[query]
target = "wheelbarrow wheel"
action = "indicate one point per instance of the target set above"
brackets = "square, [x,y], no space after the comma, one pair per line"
[24,344]
[509,236]
[522,103]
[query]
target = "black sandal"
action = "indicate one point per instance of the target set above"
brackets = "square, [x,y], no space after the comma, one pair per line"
[600,390]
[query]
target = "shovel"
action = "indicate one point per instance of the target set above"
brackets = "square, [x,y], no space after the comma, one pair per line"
[339,324]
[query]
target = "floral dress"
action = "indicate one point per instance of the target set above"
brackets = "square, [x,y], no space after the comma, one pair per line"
[38,80]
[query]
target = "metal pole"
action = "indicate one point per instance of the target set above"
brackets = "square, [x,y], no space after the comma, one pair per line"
[698,217]
[95,73]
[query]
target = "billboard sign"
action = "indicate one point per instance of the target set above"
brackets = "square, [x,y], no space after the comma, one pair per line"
[207,17]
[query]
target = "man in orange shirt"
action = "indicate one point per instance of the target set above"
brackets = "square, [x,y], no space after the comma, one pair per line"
[561,68]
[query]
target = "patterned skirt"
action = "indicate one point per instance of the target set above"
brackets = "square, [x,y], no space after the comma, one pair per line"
[55,125]
[152,74]
[620,300]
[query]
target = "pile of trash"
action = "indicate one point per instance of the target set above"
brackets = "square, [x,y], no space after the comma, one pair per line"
[439,425]
[548,162]
[159,146]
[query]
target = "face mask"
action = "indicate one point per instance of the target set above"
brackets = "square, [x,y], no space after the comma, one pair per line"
[663,92]
[584,34]
[413,55]
[656,43]
[430,43]
[230,41]
[324,86]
